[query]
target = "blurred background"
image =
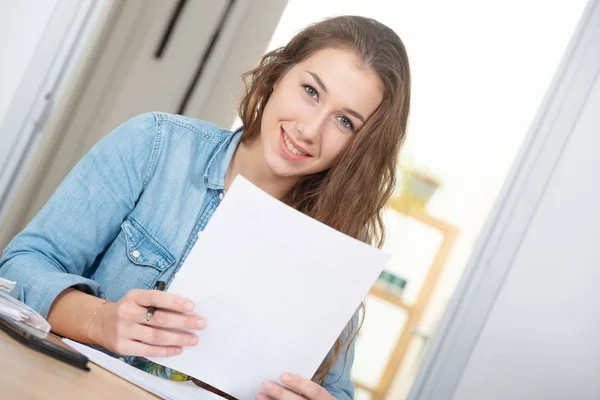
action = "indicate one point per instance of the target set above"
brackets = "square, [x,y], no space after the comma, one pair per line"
[72,70]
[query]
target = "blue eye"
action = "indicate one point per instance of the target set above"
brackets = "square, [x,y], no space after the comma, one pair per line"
[346,122]
[310,91]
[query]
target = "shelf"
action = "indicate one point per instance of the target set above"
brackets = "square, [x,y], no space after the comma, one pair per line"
[382,293]
[373,391]
[415,311]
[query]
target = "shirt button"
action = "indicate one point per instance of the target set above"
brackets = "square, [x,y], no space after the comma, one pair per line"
[135,254]
[221,195]
[122,359]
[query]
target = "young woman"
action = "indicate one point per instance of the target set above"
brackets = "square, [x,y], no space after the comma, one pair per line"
[323,121]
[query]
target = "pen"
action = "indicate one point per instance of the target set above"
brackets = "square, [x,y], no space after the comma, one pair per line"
[160,285]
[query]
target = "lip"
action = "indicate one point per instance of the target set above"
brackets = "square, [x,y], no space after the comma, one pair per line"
[287,153]
[302,149]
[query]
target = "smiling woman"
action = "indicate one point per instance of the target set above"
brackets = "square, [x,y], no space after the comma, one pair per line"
[323,121]
[311,118]
[318,125]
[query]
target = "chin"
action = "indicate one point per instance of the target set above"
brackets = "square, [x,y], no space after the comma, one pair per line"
[279,169]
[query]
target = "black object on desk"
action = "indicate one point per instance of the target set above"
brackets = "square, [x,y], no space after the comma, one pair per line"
[50,344]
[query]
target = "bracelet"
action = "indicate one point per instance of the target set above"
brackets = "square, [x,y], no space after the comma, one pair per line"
[94,315]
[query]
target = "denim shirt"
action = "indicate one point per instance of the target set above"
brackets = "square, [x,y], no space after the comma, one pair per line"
[128,214]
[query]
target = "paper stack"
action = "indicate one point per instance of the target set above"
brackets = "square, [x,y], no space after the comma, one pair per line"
[7,285]
[16,311]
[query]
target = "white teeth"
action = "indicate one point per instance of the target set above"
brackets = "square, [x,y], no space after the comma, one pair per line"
[291,147]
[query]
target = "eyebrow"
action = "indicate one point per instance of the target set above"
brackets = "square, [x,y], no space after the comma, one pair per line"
[319,81]
[322,85]
[352,112]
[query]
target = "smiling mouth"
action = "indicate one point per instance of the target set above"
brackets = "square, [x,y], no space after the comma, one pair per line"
[289,150]
[292,147]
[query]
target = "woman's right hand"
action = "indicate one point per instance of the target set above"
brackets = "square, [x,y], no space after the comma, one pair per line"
[122,327]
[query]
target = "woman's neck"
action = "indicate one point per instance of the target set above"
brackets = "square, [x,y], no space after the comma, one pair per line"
[249,161]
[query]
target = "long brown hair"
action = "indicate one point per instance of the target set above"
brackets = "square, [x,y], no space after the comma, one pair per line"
[349,196]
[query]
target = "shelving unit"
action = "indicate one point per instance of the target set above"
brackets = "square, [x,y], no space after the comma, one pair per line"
[414,311]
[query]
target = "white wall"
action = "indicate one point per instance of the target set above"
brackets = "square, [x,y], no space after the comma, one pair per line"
[542,340]
[22,24]
[43,44]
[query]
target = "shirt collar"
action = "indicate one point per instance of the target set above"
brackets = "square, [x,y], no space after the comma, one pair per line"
[214,175]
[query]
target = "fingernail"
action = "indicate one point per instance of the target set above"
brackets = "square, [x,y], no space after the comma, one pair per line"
[268,385]
[201,323]
[178,351]
[189,306]
[286,378]
[193,340]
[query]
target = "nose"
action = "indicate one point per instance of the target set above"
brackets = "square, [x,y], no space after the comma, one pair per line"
[310,128]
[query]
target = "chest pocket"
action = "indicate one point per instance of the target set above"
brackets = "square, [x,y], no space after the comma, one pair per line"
[142,249]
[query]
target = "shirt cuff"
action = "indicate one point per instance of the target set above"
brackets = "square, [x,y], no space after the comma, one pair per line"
[40,291]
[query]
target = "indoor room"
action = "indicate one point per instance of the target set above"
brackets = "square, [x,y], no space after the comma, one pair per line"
[488,228]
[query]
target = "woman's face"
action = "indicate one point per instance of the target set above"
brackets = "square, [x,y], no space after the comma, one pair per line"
[314,112]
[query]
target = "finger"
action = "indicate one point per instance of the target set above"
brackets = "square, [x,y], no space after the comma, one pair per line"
[278,392]
[303,386]
[160,299]
[138,349]
[163,337]
[263,396]
[169,319]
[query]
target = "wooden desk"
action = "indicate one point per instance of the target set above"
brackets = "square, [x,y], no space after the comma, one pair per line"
[27,374]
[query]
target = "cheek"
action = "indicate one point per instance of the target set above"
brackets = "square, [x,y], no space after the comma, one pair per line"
[335,146]
[287,104]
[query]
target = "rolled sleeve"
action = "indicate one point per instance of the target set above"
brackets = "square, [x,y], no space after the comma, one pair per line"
[40,291]
[39,281]
[59,246]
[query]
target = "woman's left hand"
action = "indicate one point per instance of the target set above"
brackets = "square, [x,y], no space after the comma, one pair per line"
[302,389]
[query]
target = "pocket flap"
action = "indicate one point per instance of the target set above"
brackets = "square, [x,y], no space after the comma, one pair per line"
[142,249]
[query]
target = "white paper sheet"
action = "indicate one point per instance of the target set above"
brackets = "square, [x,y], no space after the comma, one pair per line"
[161,387]
[276,287]
[17,311]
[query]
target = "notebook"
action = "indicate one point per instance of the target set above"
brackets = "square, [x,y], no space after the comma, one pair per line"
[18,312]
